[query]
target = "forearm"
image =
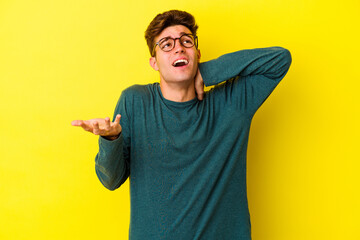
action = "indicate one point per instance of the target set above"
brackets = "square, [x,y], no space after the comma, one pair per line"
[110,164]
[272,63]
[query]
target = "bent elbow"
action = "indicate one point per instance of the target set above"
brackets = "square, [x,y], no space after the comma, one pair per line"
[283,64]
[286,57]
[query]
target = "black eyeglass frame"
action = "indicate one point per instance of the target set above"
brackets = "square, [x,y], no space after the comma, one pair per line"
[174,39]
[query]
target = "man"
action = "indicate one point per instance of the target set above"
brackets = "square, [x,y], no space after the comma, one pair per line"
[184,150]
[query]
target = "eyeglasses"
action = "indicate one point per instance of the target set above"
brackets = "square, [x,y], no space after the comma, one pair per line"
[167,44]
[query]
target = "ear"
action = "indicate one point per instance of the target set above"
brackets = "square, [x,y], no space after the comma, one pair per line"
[153,63]
[199,54]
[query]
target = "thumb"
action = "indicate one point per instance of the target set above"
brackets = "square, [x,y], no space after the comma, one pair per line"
[76,123]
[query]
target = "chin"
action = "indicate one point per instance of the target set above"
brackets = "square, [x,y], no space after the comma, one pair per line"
[179,77]
[184,76]
[183,79]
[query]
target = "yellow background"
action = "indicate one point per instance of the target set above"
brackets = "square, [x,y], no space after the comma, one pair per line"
[69,59]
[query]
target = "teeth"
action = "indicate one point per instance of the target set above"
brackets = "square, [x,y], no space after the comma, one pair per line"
[180,61]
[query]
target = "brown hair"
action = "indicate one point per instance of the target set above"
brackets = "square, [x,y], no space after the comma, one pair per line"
[167,19]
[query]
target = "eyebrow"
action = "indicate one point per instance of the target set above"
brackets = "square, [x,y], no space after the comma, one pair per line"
[181,34]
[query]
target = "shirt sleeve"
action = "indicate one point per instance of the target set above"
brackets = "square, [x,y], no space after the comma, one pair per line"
[112,162]
[250,75]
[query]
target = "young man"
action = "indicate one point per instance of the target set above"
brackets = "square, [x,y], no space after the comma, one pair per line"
[184,150]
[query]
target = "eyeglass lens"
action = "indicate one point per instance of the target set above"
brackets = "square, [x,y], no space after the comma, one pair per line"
[169,43]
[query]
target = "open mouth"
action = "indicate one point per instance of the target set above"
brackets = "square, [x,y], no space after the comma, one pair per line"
[180,63]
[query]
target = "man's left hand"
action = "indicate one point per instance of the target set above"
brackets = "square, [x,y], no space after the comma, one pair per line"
[199,86]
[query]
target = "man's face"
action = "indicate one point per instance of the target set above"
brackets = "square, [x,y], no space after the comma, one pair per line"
[165,62]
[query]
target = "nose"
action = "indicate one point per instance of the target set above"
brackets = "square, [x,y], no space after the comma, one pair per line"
[178,46]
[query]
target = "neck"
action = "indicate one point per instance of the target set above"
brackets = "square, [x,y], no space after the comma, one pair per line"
[178,92]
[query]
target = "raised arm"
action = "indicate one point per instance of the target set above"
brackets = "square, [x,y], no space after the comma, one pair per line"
[272,63]
[251,75]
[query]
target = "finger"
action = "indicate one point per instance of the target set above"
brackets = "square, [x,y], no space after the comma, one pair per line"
[199,89]
[76,123]
[86,126]
[199,85]
[116,125]
[117,119]
[200,96]
[83,124]
[96,129]
[107,124]
[198,76]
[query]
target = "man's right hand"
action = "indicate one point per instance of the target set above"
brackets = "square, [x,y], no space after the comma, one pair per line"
[101,126]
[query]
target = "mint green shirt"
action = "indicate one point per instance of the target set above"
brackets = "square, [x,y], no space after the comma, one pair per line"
[186,161]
